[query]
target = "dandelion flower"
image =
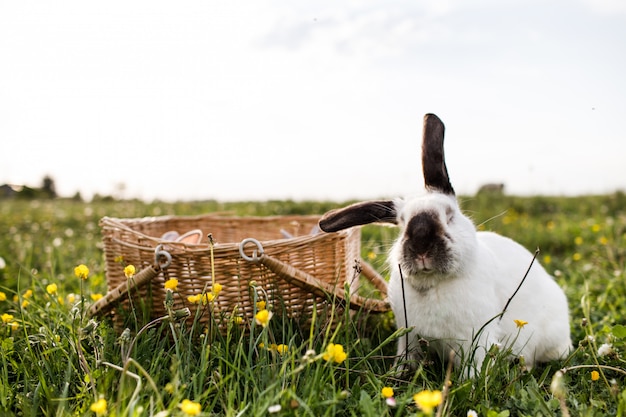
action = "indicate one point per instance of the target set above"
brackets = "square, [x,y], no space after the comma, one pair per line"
[577,257]
[387,392]
[171,284]
[427,400]
[334,352]
[51,289]
[595,375]
[520,323]
[7,318]
[578,240]
[99,407]
[190,408]
[263,317]
[3,296]
[81,271]
[129,271]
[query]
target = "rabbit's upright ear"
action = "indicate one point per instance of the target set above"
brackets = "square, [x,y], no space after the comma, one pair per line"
[433,160]
[359,214]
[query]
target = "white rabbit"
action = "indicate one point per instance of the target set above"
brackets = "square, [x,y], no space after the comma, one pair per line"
[457,280]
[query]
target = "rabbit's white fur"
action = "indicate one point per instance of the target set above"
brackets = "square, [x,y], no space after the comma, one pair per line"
[447,309]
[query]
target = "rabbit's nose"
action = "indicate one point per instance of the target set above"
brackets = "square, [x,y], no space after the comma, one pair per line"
[423,228]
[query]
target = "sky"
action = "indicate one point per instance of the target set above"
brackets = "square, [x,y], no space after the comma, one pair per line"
[276,99]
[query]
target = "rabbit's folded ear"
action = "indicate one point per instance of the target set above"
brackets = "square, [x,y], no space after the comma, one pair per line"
[359,214]
[433,160]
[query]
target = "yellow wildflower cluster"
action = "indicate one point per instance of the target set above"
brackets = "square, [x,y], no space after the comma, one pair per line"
[334,353]
[99,407]
[263,317]
[204,298]
[129,271]
[51,289]
[520,323]
[9,320]
[81,271]
[171,284]
[190,408]
[280,349]
[427,400]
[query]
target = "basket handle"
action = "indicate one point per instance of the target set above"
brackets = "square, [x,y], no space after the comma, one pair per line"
[309,283]
[106,303]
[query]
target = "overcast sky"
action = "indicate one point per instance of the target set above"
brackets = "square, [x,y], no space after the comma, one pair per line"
[239,100]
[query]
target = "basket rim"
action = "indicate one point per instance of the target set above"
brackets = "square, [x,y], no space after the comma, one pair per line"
[288,242]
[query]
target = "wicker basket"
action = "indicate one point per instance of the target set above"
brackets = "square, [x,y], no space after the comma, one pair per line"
[293,267]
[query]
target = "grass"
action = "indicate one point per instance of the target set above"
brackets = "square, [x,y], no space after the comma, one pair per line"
[55,361]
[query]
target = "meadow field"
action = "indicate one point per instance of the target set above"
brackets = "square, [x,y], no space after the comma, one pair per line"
[57,361]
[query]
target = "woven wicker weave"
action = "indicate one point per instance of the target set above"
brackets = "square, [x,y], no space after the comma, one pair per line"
[296,273]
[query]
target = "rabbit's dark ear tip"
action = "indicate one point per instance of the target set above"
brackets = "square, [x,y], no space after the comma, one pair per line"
[431,116]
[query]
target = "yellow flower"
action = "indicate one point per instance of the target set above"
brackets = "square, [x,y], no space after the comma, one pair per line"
[547,259]
[282,349]
[194,299]
[99,407]
[520,323]
[7,318]
[81,271]
[578,240]
[428,400]
[3,296]
[595,228]
[190,408]
[51,289]
[71,298]
[27,294]
[96,297]
[387,392]
[595,375]
[577,256]
[334,352]
[603,240]
[217,288]
[238,320]
[204,298]
[171,284]
[129,271]
[260,305]
[14,325]
[263,317]
[25,303]
[371,255]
